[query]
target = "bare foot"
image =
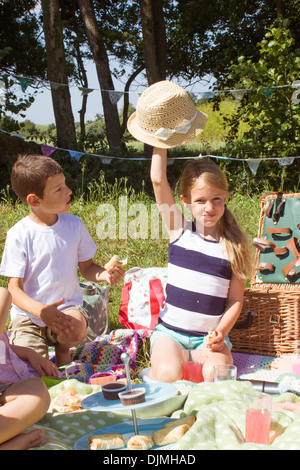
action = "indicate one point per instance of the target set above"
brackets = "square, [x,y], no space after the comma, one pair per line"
[24,441]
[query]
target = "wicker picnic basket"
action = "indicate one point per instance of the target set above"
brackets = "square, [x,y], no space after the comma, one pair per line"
[269,323]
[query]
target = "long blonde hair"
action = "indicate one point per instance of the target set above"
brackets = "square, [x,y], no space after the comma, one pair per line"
[232,237]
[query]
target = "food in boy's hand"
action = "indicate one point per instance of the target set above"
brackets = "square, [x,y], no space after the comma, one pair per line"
[67,401]
[166,436]
[140,442]
[106,441]
[115,262]
[211,334]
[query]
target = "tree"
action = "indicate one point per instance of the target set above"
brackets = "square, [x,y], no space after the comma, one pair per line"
[204,37]
[97,46]
[268,107]
[58,74]
[21,54]
[154,39]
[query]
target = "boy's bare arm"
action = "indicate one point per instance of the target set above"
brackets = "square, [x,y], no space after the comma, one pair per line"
[95,273]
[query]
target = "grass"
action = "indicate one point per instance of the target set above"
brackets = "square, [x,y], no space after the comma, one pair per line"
[143,249]
[136,241]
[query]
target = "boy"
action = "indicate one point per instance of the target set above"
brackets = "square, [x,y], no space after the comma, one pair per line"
[42,254]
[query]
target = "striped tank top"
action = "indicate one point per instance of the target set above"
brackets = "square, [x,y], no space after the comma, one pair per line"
[199,275]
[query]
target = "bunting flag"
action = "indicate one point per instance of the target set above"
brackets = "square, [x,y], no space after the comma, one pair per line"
[285,161]
[106,160]
[253,163]
[267,91]
[115,96]
[47,150]
[76,155]
[85,91]
[55,86]
[25,82]
[238,95]
[207,94]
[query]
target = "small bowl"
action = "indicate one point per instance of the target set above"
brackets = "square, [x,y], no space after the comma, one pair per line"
[132,397]
[111,390]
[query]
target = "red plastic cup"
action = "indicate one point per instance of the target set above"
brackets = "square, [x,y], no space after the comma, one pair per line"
[192,371]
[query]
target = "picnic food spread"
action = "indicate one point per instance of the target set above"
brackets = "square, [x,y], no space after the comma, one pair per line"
[140,442]
[67,401]
[170,433]
[106,441]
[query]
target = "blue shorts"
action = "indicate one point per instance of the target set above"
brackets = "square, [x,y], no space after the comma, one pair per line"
[186,341]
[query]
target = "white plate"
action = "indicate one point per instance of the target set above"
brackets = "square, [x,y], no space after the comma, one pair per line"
[155,393]
[146,426]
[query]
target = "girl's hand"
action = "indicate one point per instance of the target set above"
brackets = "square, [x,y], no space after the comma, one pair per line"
[217,343]
[39,363]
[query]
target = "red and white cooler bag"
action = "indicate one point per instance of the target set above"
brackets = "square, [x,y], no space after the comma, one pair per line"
[143,296]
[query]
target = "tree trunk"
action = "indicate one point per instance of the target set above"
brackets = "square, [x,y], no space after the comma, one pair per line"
[57,73]
[97,46]
[154,39]
[126,97]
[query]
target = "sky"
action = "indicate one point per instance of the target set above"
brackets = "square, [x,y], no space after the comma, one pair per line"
[41,111]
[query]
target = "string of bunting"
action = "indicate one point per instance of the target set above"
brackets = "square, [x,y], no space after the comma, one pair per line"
[253,163]
[115,96]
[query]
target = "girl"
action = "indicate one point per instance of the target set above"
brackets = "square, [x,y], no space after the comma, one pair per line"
[209,256]
[24,398]
[209,261]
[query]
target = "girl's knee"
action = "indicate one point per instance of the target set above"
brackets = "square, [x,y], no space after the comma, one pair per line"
[166,373]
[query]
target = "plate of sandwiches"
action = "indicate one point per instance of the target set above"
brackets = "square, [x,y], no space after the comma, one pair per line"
[154,434]
[153,393]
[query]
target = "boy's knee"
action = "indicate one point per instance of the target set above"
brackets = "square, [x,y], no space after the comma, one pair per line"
[79,331]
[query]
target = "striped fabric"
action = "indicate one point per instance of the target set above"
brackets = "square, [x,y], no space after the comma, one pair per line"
[199,275]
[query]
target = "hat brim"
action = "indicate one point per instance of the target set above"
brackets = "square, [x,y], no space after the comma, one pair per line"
[175,140]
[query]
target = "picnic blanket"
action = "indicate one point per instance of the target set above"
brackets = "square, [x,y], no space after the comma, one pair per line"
[104,355]
[219,408]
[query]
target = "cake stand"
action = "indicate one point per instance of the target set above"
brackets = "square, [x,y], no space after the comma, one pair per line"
[155,392]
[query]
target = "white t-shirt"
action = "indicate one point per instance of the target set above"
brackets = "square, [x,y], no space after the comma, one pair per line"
[46,258]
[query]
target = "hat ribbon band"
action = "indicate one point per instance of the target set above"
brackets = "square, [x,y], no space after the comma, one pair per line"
[164,134]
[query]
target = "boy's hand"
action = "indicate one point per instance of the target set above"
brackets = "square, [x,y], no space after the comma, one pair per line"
[114,275]
[56,320]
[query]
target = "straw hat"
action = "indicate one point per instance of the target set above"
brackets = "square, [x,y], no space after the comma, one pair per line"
[165,116]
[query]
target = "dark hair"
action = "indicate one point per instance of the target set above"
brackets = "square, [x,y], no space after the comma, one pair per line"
[30,174]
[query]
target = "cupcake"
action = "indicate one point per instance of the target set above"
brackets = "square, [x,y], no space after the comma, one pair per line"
[132,397]
[111,390]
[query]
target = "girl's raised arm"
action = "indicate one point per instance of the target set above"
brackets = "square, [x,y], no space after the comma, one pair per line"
[169,211]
